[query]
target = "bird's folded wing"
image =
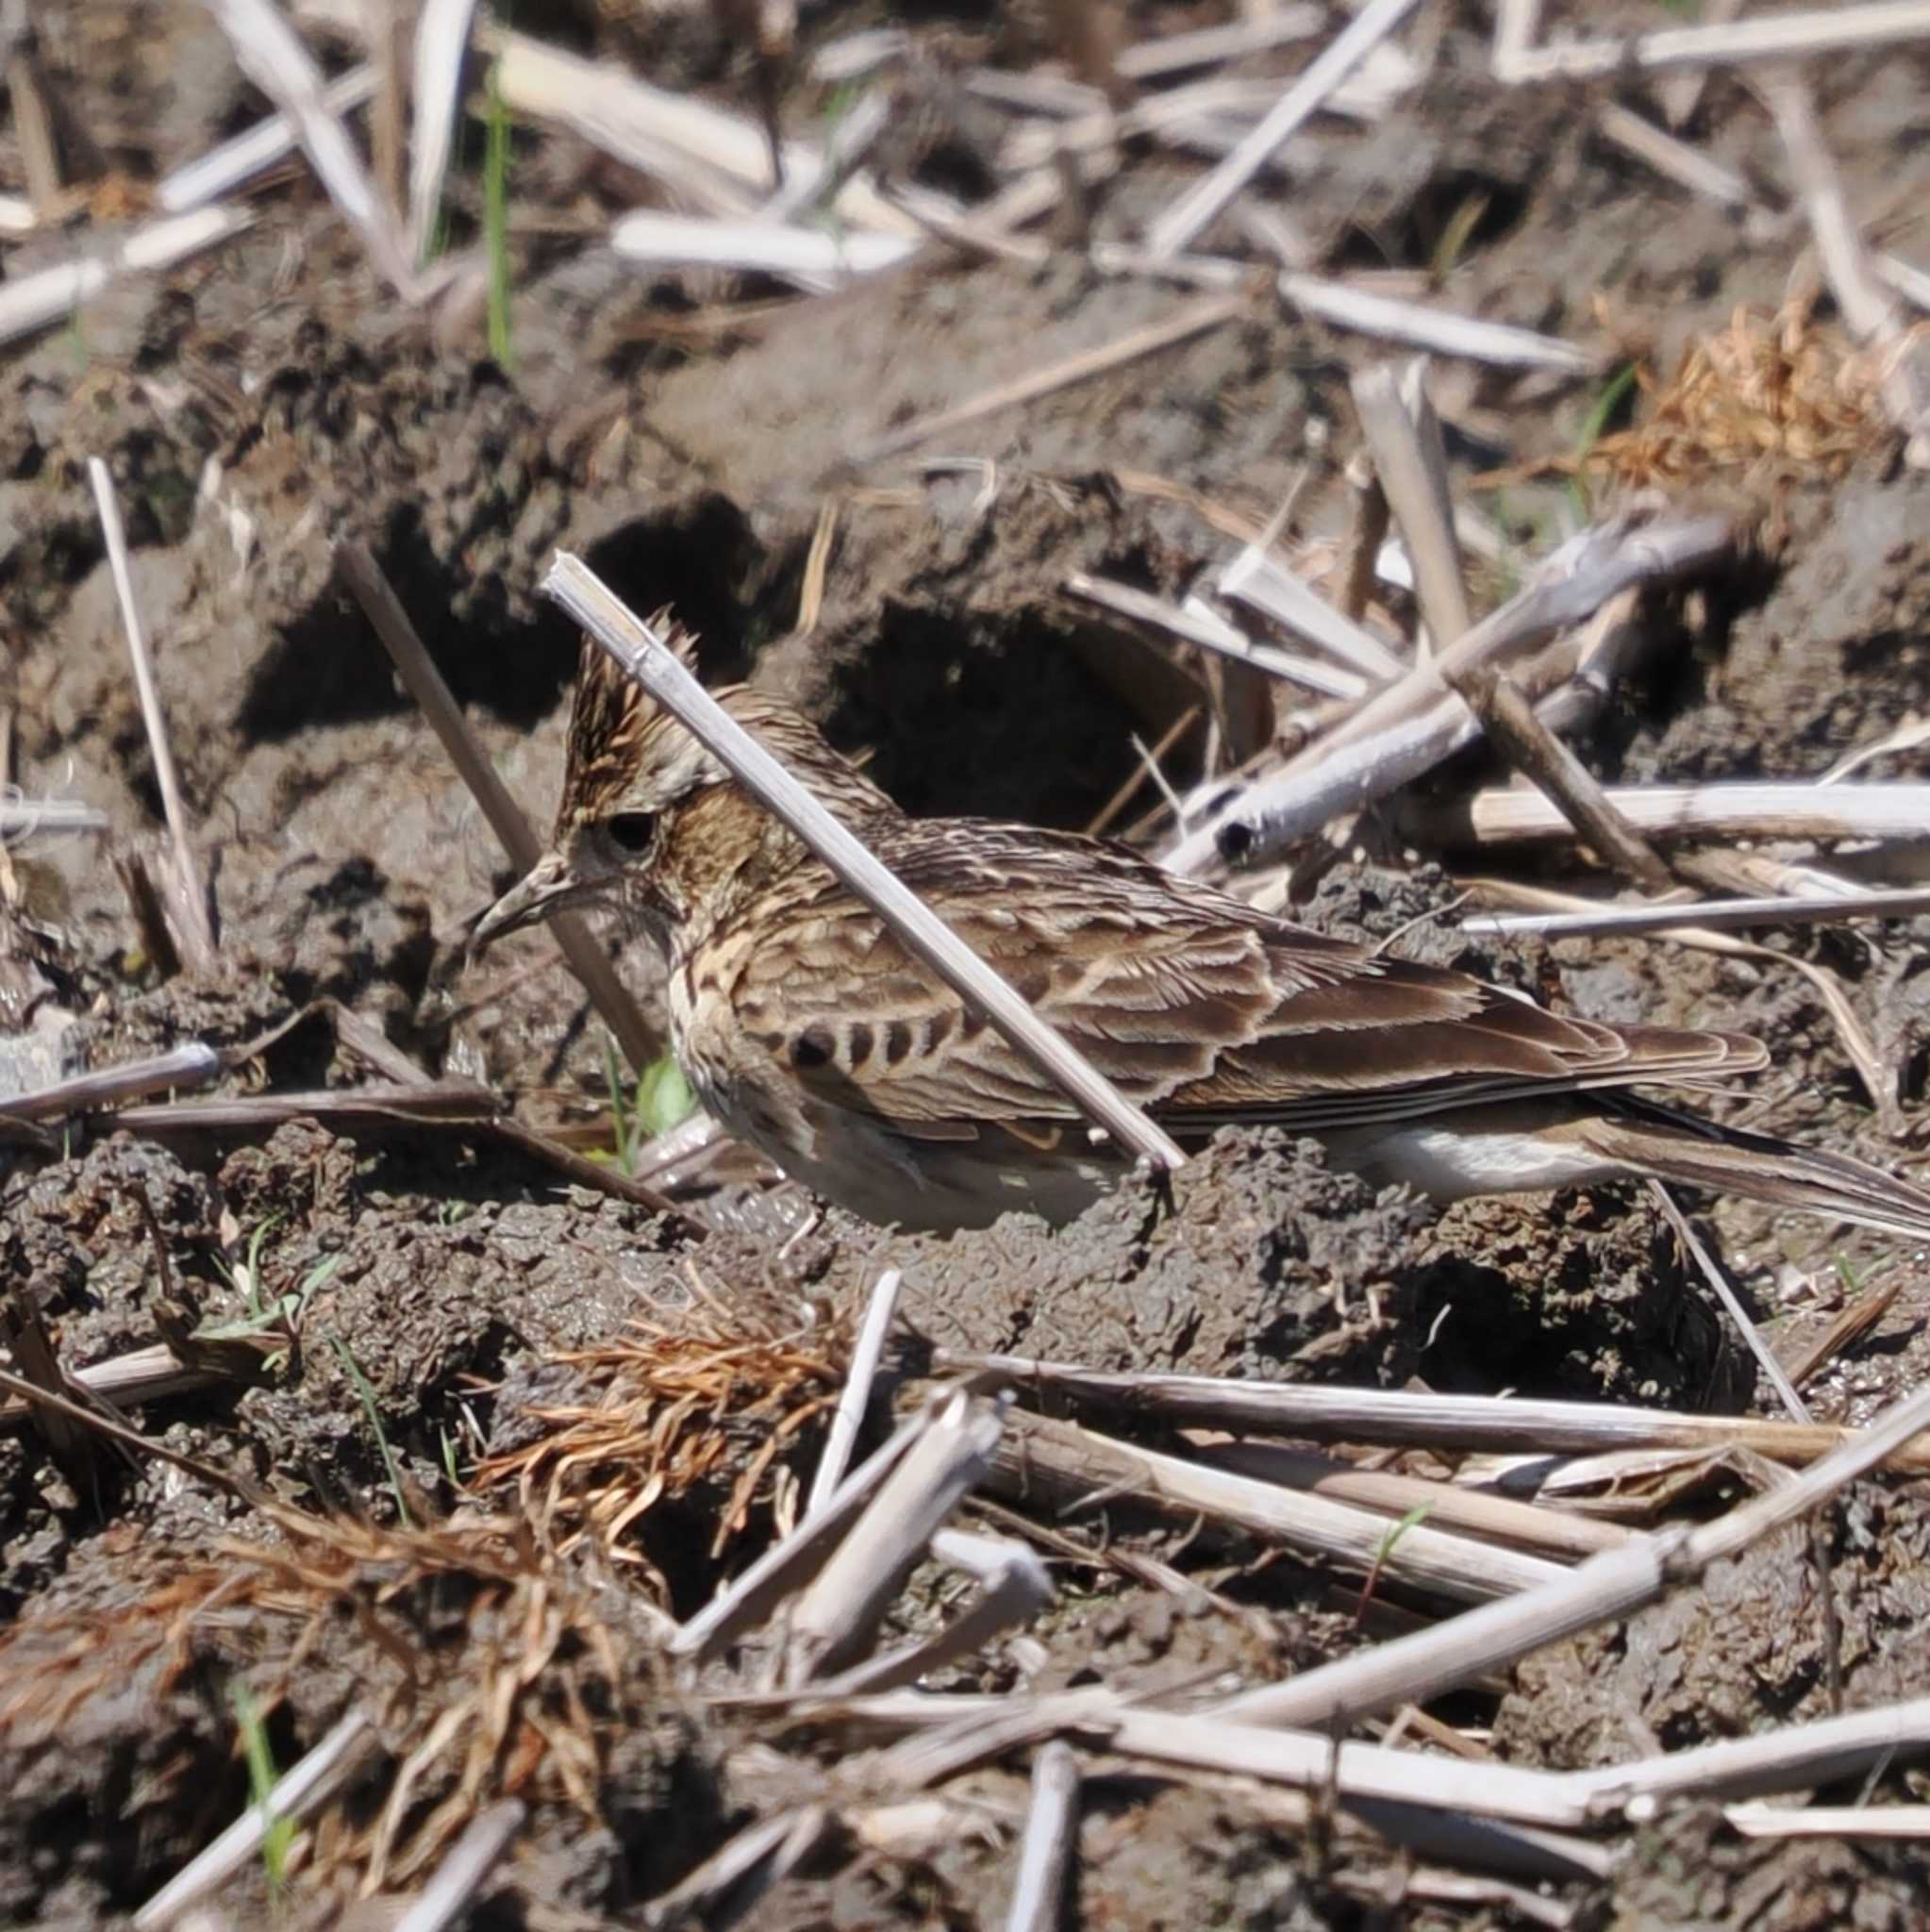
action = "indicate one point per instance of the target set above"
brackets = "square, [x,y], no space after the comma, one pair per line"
[1214,1014]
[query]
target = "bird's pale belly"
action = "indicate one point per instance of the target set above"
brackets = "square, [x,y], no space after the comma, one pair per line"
[938,1185]
[927,1186]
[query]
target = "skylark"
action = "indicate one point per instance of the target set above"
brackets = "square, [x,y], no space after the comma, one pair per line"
[809,1030]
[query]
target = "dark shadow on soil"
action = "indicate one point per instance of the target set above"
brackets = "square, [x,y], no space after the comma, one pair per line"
[328,666]
[992,715]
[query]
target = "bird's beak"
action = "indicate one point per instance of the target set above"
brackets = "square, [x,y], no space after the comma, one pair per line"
[549,885]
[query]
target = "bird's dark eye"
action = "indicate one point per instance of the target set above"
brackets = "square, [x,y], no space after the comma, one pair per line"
[631,831]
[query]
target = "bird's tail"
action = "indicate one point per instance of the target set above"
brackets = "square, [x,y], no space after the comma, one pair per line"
[1643,1137]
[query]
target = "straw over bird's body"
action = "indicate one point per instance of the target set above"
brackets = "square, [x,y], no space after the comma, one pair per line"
[810,1030]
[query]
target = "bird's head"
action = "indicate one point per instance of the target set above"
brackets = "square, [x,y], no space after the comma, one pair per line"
[652,822]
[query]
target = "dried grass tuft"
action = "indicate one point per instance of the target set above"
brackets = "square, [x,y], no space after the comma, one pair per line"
[1768,396]
[53,1666]
[1765,402]
[503,1679]
[700,1409]
[485,1664]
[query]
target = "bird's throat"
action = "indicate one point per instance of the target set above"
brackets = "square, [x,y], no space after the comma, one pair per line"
[720,854]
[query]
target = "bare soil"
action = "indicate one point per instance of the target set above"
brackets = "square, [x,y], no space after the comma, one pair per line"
[268,402]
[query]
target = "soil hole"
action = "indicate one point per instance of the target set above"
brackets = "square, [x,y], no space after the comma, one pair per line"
[989,715]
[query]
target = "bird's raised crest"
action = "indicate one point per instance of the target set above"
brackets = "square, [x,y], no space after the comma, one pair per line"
[609,719]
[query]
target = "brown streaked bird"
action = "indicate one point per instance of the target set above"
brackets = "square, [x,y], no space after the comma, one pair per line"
[809,1030]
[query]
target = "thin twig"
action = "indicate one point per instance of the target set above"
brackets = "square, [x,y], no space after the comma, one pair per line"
[634,646]
[1796,1756]
[1602,1590]
[1149,771]
[1739,1315]
[834,1622]
[1408,1419]
[1420,325]
[1195,319]
[302,1789]
[1776,37]
[945,1734]
[1357,566]
[388,110]
[1532,1526]
[1913,731]
[1014,1589]
[1516,24]
[1404,436]
[107,1088]
[814,257]
[854,1397]
[1206,198]
[588,960]
[222,169]
[34,300]
[458,1106]
[1829,1821]
[810,592]
[25,817]
[104,1423]
[190,903]
[461,1874]
[1214,1740]
[789,1566]
[1509,721]
[1199,625]
[1253,577]
[33,131]
[27,1343]
[760,1855]
[1052,1829]
[1631,921]
[850,142]
[271,54]
[722,157]
[441,39]
[1209,115]
[1044,1458]
[1691,167]
[1791,1758]
[144,1375]
[150,916]
[1751,810]
[415,1103]
[1681,91]
[1212,47]
[1849,1328]
[1407,729]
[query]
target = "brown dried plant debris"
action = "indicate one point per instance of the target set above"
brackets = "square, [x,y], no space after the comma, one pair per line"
[704,1408]
[1766,401]
[485,1664]
[1771,394]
